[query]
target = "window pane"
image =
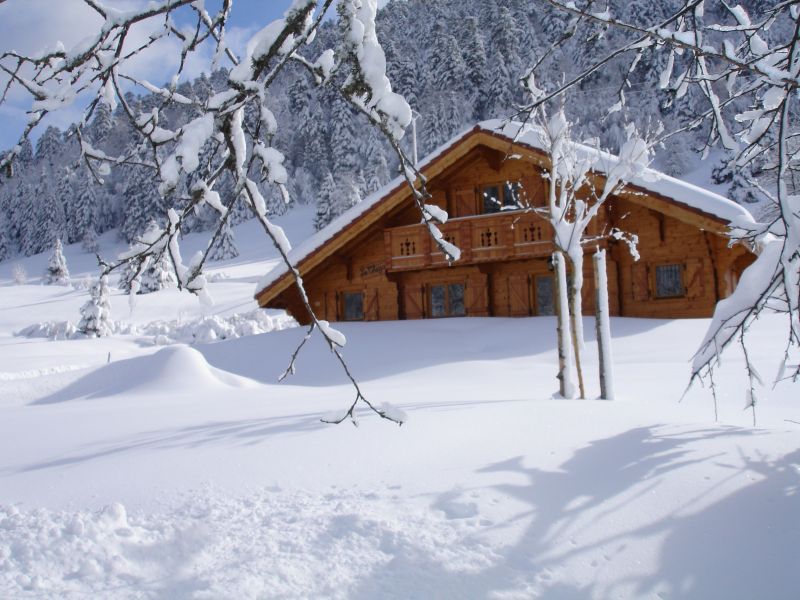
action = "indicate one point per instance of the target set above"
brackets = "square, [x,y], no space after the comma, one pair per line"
[456,297]
[545,304]
[511,194]
[438,301]
[491,199]
[353,306]
[668,281]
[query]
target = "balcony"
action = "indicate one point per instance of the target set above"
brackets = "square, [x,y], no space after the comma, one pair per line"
[483,238]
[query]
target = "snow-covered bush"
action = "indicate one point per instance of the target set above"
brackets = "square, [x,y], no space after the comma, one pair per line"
[213,328]
[19,274]
[54,330]
[57,271]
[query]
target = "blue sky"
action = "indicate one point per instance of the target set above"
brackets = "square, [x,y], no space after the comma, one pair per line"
[29,26]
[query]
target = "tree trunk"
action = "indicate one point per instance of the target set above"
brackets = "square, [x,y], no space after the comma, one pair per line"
[566,386]
[603,325]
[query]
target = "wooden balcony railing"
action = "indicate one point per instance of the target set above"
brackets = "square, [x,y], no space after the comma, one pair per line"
[482,238]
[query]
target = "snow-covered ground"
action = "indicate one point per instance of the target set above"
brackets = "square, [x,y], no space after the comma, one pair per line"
[135,470]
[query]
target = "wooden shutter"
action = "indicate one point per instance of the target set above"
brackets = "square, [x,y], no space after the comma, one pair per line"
[640,282]
[331,306]
[476,296]
[465,202]
[534,190]
[694,278]
[412,302]
[371,305]
[518,301]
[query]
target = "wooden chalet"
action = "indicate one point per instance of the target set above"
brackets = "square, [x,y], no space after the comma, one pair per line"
[377,262]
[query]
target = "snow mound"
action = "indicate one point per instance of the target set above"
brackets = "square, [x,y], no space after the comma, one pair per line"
[173,370]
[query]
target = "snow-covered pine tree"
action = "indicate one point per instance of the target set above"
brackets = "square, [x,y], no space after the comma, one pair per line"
[344,147]
[84,214]
[738,178]
[57,271]
[96,313]
[325,202]
[348,195]
[127,275]
[224,246]
[140,202]
[102,125]
[475,61]
[159,273]
[446,69]
[5,250]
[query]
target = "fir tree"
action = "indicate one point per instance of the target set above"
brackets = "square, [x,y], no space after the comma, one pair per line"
[5,251]
[159,273]
[141,202]
[343,137]
[89,242]
[131,270]
[57,271]
[102,124]
[325,202]
[96,313]
[84,214]
[224,246]
[446,70]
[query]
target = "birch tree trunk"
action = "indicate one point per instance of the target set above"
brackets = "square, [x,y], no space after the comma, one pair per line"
[576,318]
[566,385]
[603,325]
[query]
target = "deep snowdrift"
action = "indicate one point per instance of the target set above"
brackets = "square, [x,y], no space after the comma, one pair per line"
[188,472]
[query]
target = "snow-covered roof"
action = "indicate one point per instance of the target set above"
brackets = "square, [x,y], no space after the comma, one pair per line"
[652,181]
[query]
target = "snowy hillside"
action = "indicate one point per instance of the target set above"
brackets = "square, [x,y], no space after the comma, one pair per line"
[130,469]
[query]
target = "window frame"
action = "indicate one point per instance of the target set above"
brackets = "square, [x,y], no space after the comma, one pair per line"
[681,267]
[344,295]
[448,304]
[501,186]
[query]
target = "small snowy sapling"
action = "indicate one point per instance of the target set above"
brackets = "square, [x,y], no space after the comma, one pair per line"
[96,313]
[56,271]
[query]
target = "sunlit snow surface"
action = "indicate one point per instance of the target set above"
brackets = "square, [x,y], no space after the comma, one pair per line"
[187,472]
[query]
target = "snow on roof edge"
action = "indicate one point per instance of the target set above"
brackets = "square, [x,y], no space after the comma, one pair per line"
[661,183]
[665,185]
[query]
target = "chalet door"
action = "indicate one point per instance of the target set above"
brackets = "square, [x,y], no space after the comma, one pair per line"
[518,290]
[545,295]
